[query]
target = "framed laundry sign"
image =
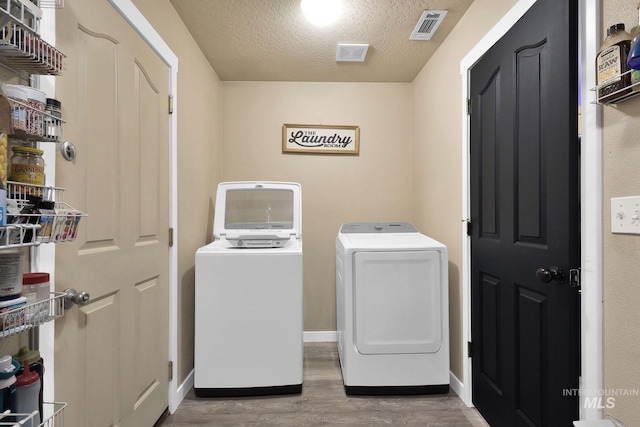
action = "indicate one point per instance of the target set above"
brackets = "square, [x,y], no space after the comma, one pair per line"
[321,139]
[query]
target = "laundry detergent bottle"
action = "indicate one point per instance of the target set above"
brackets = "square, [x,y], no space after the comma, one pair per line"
[27,393]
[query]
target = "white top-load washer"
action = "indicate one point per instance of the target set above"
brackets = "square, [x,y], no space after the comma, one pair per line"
[392,310]
[248,293]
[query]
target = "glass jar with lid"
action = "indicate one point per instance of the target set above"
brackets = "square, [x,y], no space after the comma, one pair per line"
[612,74]
[27,166]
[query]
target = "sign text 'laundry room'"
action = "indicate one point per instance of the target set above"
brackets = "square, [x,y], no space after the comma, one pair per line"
[320,139]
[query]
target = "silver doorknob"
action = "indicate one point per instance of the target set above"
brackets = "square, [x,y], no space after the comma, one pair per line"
[72,297]
[68,151]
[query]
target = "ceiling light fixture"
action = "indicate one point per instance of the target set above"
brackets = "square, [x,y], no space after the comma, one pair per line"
[321,12]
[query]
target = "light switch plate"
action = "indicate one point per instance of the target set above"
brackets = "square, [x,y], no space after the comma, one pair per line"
[625,215]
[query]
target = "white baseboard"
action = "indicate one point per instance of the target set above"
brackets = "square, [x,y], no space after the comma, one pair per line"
[320,336]
[183,390]
[460,389]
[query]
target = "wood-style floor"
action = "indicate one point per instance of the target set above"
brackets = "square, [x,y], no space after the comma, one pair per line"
[324,402]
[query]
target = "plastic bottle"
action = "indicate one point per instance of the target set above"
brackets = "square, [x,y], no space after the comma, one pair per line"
[36,364]
[634,55]
[611,65]
[28,393]
[8,368]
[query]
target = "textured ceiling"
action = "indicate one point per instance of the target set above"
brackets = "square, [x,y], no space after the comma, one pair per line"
[270,40]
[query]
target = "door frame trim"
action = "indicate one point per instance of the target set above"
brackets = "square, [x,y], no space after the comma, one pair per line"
[591,204]
[141,25]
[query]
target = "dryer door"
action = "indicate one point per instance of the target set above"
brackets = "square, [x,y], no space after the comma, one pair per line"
[397,302]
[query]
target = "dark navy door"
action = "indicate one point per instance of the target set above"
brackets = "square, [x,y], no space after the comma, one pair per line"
[525,221]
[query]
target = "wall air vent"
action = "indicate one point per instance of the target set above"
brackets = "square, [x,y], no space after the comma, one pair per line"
[351,52]
[428,24]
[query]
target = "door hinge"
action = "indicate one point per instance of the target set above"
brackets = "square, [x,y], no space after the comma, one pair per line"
[469,349]
[170,370]
[468,222]
[170,237]
[469,106]
[574,278]
[170,104]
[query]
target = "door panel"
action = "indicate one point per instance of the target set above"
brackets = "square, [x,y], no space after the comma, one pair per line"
[531,321]
[529,147]
[113,352]
[97,71]
[525,202]
[489,202]
[397,301]
[99,336]
[490,332]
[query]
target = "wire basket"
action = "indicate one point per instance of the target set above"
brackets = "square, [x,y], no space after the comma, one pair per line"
[52,416]
[23,50]
[31,229]
[28,316]
[24,118]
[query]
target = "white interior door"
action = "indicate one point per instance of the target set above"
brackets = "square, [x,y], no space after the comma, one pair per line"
[112,354]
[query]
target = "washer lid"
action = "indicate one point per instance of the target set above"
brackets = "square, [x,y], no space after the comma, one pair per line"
[258,214]
[377,227]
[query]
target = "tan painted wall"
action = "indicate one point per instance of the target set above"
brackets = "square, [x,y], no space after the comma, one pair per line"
[621,287]
[410,139]
[377,184]
[437,150]
[198,107]
[373,186]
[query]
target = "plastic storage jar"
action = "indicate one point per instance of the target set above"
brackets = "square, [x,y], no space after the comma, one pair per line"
[35,288]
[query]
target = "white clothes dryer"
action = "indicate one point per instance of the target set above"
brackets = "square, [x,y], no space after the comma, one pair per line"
[248,293]
[392,310]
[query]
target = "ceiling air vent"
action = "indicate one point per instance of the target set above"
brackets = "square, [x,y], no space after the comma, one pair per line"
[351,52]
[428,24]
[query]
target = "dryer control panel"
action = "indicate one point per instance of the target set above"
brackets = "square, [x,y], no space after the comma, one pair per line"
[378,227]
